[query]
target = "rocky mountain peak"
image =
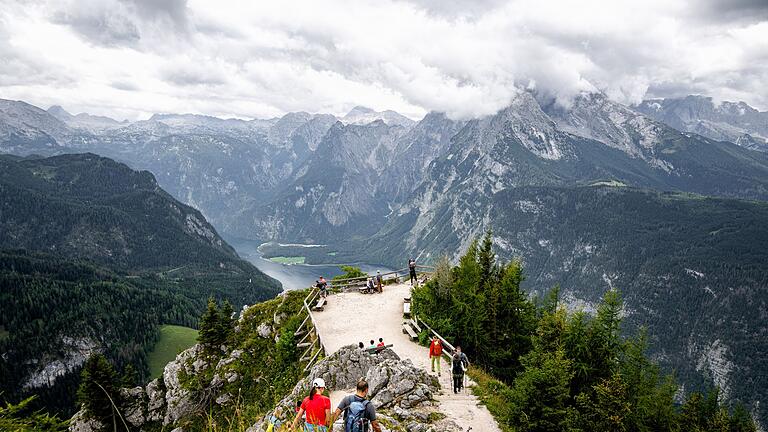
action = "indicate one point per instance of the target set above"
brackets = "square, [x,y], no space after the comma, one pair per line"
[363,115]
[59,112]
[736,122]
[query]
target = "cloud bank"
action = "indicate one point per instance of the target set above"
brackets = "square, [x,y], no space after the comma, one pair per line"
[132,58]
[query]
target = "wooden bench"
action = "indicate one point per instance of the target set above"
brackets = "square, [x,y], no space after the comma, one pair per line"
[376,350]
[407,309]
[407,329]
[319,305]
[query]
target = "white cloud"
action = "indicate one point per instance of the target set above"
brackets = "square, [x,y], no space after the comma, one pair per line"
[130,58]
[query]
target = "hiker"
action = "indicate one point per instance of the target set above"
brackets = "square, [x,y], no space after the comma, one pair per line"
[380,346]
[359,413]
[274,421]
[412,269]
[459,364]
[322,285]
[317,408]
[361,346]
[371,289]
[435,353]
[372,346]
[379,281]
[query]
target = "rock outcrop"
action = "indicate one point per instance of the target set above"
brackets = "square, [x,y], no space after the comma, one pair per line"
[401,392]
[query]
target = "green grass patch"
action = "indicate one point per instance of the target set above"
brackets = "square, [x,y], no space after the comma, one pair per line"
[173,340]
[4,334]
[288,260]
[495,395]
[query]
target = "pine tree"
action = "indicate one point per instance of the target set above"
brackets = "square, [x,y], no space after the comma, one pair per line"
[130,376]
[98,391]
[226,322]
[210,333]
[486,259]
[539,397]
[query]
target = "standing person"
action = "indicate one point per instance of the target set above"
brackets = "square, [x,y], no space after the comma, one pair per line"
[435,354]
[379,281]
[322,284]
[459,364]
[412,270]
[359,412]
[317,407]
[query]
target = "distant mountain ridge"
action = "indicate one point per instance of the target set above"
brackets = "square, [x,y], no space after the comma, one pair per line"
[728,121]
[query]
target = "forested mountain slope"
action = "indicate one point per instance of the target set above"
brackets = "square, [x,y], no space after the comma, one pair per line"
[93,256]
[691,268]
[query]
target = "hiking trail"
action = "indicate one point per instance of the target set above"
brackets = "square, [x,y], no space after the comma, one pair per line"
[351,317]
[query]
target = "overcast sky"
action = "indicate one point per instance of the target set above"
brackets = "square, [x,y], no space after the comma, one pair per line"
[259,58]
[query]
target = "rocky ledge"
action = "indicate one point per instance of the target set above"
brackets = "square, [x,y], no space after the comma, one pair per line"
[401,392]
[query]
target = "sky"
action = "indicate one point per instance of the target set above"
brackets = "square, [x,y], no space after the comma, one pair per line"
[129,59]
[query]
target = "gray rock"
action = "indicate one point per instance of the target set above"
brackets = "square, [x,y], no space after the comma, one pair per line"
[223,399]
[156,401]
[134,410]
[392,382]
[264,330]
[79,423]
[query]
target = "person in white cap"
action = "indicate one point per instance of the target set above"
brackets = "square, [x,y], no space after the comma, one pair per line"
[317,407]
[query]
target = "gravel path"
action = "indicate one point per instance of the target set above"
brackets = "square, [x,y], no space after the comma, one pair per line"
[350,318]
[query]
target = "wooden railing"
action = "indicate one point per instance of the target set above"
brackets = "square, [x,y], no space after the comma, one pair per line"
[388,276]
[311,338]
[448,348]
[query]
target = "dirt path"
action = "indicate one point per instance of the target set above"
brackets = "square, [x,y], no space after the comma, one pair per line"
[350,318]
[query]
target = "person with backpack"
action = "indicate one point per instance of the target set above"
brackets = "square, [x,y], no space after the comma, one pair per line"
[435,353]
[459,365]
[412,270]
[317,408]
[359,412]
[379,281]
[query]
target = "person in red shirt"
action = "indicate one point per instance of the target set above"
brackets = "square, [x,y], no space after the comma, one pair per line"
[381,343]
[317,407]
[435,352]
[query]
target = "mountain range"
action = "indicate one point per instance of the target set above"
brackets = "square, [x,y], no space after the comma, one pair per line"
[591,195]
[726,121]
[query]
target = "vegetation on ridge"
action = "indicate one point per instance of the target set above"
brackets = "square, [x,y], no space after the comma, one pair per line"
[557,371]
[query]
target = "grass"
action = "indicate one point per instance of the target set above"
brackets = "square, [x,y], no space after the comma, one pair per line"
[288,260]
[173,340]
[494,394]
[4,334]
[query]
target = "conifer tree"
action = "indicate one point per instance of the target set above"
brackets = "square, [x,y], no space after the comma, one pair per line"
[98,391]
[486,259]
[539,397]
[210,333]
[226,322]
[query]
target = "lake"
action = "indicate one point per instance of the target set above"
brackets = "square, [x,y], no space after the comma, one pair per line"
[293,276]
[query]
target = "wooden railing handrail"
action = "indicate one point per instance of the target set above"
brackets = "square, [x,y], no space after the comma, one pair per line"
[446,345]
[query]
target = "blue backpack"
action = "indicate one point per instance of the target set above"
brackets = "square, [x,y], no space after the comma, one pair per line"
[356,421]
